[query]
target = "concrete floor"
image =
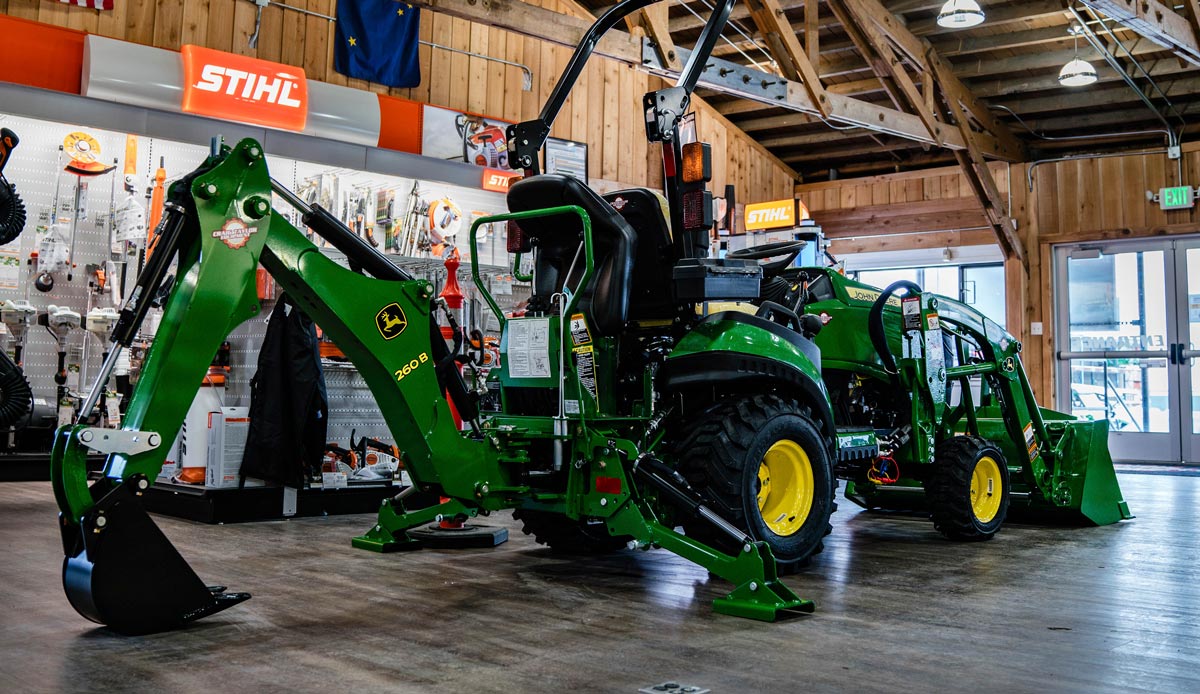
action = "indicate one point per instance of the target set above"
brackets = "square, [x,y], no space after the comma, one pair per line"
[1110,609]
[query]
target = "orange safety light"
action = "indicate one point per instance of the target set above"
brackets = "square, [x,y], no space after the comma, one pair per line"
[697,162]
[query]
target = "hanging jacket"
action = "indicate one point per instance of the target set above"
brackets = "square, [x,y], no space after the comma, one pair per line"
[289,409]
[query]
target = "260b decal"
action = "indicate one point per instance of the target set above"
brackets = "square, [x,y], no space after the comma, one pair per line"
[411,366]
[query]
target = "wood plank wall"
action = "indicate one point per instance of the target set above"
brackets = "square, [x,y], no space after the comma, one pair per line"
[1070,201]
[603,111]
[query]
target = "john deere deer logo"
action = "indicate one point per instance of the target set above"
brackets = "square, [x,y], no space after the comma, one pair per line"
[391,321]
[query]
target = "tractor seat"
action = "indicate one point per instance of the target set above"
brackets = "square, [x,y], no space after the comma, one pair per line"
[652,293]
[560,238]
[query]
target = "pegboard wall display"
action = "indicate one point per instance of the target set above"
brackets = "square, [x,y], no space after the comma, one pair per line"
[77,238]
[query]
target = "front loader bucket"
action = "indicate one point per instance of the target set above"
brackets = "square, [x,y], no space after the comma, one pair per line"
[123,572]
[1090,485]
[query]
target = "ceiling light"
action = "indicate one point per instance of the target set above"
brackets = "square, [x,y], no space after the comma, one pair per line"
[960,14]
[1077,72]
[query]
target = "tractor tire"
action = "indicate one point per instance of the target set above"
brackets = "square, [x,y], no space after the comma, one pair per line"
[968,489]
[567,536]
[785,500]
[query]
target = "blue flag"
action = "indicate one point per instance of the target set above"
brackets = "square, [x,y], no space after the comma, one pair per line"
[376,40]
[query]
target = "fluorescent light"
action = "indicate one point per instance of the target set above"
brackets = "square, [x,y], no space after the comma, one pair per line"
[960,14]
[1077,73]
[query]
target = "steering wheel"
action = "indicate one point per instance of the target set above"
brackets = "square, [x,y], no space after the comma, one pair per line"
[788,249]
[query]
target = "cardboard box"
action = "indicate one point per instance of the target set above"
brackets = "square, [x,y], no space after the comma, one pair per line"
[227,434]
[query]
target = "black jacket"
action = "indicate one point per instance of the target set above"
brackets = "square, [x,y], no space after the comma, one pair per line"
[289,409]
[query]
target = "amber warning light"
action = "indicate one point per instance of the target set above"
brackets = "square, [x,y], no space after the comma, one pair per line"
[247,90]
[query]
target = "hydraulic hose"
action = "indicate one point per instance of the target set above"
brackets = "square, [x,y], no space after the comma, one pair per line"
[875,322]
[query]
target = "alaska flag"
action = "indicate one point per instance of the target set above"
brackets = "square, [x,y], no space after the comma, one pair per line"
[377,41]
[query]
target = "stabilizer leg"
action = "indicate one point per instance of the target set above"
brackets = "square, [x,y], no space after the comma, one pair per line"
[390,533]
[759,594]
[121,570]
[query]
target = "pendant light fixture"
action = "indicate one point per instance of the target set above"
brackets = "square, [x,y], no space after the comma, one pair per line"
[960,14]
[1077,72]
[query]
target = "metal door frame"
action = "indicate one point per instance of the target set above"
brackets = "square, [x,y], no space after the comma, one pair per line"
[1186,359]
[1172,446]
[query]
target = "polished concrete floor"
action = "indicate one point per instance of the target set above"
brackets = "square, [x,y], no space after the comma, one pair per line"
[1113,609]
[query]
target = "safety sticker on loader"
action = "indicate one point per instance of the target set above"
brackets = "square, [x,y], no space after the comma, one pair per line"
[1031,441]
[585,366]
[580,334]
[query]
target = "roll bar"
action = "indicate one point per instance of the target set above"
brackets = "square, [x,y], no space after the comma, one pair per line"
[527,138]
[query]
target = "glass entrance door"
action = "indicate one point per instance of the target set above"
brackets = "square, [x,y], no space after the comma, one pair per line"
[1187,349]
[1123,316]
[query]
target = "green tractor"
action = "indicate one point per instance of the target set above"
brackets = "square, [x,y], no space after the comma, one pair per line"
[612,389]
[934,409]
[623,409]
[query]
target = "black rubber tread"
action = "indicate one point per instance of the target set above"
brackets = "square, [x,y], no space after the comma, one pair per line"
[948,489]
[713,456]
[567,536]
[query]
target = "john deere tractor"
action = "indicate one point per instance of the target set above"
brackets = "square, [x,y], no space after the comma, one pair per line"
[623,412]
[623,408]
[934,409]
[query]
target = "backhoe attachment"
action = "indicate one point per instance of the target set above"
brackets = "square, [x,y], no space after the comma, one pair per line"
[120,569]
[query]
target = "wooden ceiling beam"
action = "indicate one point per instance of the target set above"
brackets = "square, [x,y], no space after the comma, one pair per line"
[785,47]
[976,170]
[922,54]
[1156,21]
[653,20]
[816,138]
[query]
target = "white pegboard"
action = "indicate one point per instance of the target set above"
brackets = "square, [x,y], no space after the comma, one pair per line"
[34,168]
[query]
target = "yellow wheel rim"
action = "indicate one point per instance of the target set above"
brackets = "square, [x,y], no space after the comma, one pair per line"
[986,489]
[785,487]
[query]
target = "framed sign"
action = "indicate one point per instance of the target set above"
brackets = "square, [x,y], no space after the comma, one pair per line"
[567,157]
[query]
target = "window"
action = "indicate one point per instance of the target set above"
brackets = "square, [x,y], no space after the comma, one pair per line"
[979,286]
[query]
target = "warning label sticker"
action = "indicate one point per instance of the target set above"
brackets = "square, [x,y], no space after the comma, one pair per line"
[580,334]
[585,366]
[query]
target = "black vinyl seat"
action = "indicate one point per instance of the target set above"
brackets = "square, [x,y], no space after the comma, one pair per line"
[559,239]
[651,293]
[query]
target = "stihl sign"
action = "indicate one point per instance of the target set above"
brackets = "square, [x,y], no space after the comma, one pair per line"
[248,90]
[498,181]
[771,215]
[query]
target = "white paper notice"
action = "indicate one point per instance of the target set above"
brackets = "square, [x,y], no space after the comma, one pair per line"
[529,348]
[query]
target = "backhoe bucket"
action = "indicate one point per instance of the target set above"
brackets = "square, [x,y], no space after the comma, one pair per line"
[1088,481]
[123,572]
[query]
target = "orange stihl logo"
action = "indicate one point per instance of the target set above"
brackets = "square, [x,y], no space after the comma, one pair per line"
[498,181]
[768,215]
[249,90]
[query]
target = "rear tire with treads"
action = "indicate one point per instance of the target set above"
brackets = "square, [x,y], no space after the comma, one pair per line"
[968,489]
[568,536]
[761,455]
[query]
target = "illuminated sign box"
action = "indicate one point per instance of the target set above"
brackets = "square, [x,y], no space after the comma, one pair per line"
[248,90]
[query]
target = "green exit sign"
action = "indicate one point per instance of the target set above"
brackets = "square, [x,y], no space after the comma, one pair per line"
[1177,198]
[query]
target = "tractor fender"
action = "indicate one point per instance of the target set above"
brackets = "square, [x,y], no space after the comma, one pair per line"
[733,351]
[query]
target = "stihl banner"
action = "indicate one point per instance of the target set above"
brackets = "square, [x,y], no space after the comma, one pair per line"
[238,88]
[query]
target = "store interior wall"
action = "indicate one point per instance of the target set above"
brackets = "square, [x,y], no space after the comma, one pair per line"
[602,110]
[1070,201]
[36,169]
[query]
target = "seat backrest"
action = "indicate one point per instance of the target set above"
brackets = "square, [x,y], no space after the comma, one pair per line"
[559,239]
[646,212]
